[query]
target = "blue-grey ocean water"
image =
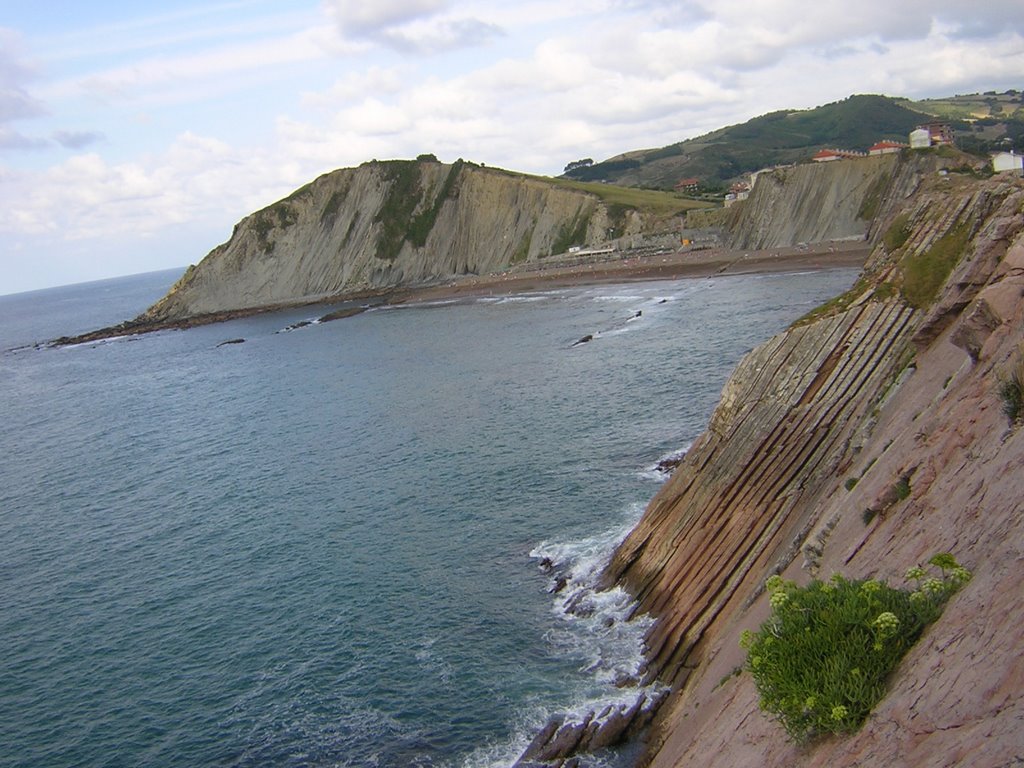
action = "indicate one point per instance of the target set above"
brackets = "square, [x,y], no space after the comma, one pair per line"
[320,547]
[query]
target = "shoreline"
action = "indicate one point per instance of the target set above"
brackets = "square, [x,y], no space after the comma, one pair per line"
[668,265]
[664,266]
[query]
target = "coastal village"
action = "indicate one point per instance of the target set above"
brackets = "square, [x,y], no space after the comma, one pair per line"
[924,136]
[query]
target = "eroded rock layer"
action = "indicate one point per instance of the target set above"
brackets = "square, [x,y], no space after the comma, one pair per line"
[898,380]
[818,202]
[388,224]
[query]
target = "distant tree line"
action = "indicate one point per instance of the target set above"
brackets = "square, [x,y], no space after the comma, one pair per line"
[586,162]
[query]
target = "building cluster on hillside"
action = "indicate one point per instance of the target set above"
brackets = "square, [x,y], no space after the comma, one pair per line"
[927,135]
[922,137]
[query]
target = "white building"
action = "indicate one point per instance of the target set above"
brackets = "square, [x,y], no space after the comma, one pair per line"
[921,138]
[1007,161]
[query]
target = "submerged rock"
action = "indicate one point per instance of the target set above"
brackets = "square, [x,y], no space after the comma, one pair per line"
[295,326]
[341,314]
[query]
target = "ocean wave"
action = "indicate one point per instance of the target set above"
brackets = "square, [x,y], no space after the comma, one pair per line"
[594,624]
[662,469]
[598,629]
[518,298]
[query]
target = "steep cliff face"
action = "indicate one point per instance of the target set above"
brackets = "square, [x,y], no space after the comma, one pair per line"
[899,379]
[386,224]
[817,202]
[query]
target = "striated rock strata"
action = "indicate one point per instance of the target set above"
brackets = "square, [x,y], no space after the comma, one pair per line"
[389,224]
[817,202]
[897,380]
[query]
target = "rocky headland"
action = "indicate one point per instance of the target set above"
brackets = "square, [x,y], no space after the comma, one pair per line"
[867,437]
[870,435]
[403,224]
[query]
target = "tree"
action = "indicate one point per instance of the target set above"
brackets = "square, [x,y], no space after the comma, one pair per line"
[586,162]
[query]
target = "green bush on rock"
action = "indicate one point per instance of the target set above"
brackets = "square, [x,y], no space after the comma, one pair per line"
[821,660]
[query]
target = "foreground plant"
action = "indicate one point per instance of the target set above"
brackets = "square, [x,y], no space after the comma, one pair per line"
[821,660]
[1011,390]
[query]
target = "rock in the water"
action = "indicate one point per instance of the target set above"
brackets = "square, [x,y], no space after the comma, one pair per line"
[231,341]
[558,585]
[539,741]
[669,463]
[341,314]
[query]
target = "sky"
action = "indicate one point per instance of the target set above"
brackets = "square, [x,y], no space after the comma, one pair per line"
[134,135]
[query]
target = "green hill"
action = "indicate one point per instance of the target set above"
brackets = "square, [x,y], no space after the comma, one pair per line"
[984,122]
[788,136]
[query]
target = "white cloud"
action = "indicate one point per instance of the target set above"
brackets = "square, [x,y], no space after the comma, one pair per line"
[12,139]
[181,72]
[353,86]
[439,35]
[410,26]
[527,86]
[76,139]
[16,103]
[360,18]
[197,180]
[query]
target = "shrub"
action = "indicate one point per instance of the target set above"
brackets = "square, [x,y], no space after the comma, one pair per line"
[925,273]
[898,233]
[821,660]
[1011,390]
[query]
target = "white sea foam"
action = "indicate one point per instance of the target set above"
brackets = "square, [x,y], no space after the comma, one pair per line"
[655,471]
[593,627]
[620,297]
[422,304]
[97,342]
[300,324]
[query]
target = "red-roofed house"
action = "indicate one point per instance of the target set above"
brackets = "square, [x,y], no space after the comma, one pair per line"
[687,185]
[886,147]
[827,155]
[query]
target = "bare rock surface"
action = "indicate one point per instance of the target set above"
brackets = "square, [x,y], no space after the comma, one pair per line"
[389,224]
[563,738]
[817,426]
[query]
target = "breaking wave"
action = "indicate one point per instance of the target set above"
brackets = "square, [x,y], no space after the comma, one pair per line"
[598,629]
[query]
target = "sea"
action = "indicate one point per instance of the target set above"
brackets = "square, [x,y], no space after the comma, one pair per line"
[339,543]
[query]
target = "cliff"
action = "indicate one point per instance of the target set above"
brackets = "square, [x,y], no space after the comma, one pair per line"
[896,383]
[840,200]
[395,223]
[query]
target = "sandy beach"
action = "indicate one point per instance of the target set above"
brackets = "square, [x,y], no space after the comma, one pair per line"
[660,266]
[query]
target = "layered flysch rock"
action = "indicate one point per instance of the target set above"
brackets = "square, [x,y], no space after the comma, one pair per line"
[897,381]
[387,224]
[819,202]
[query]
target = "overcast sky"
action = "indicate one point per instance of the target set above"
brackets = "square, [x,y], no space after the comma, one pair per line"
[134,135]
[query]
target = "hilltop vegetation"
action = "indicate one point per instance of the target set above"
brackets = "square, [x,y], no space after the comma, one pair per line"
[790,136]
[983,122]
[972,106]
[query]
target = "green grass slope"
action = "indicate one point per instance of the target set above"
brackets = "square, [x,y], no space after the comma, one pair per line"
[790,136]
